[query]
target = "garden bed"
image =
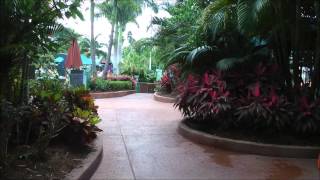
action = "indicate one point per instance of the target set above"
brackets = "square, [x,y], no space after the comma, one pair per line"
[145,87]
[111,94]
[60,161]
[166,98]
[243,141]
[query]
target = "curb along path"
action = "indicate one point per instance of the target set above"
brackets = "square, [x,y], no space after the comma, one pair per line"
[141,141]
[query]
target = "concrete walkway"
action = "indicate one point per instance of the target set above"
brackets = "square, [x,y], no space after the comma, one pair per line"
[141,142]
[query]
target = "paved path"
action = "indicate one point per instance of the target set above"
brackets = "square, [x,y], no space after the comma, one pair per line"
[141,142]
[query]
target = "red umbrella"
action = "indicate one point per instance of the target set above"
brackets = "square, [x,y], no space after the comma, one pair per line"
[73,57]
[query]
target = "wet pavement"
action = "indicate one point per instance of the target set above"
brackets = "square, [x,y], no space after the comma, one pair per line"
[141,142]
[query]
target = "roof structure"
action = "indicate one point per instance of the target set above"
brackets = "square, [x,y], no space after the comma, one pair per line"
[85,59]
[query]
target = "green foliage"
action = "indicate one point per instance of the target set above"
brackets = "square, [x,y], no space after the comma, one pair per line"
[84,44]
[62,39]
[53,112]
[108,85]
[41,87]
[180,30]
[120,85]
[86,115]
[149,76]
[136,59]
[27,29]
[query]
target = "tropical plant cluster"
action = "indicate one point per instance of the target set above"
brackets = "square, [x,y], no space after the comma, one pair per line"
[247,100]
[53,113]
[241,68]
[26,34]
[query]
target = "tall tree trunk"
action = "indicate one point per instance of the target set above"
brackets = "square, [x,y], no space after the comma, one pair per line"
[280,46]
[116,46]
[120,44]
[92,43]
[113,22]
[316,74]
[23,99]
[296,51]
[4,81]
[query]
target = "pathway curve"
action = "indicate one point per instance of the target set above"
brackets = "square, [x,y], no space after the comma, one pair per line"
[141,142]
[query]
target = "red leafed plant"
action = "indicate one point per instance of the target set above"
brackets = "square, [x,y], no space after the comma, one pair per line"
[307,115]
[204,98]
[248,99]
[165,83]
[170,81]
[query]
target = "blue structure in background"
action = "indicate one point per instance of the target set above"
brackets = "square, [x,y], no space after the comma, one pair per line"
[86,65]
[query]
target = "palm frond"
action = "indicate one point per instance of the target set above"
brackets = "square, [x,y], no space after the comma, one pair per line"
[178,57]
[259,54]
[247,16]
[227,63]
[215,15]
[250,13]
[199,54]
[261,5]
[217,23]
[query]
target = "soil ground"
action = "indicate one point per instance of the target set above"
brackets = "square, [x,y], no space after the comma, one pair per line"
[60,160]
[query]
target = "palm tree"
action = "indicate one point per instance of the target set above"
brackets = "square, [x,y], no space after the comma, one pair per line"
[108,10]
[85,44]
[120,13]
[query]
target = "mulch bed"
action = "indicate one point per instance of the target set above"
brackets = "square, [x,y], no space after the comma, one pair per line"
[254,136]
[59,161]
[171,95]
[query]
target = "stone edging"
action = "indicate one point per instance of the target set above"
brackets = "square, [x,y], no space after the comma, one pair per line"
[163,99]
[89,164]
[100,95]
[248,147]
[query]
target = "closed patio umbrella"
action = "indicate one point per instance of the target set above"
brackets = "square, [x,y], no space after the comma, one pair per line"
[73,58]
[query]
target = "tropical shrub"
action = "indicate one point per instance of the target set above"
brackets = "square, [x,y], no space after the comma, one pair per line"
[165,85]
[120,85]
[147,76]
[53,112]
[120,78]
[243,99]
[170,79]
[111,85]
[82,127]
[68,100]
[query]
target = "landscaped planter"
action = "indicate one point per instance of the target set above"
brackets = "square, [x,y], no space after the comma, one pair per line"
[100,95]
[164,99]
[144,87]
[248,146]
[90,164]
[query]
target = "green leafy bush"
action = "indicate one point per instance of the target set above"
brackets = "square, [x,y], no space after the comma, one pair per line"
[120,85]
[82,128]
[53,112]
[107,85]
[149,76]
